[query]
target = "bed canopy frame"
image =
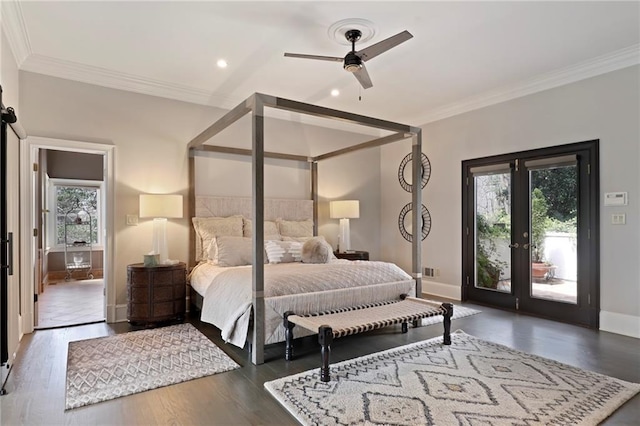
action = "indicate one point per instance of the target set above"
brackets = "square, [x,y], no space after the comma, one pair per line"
[256,105]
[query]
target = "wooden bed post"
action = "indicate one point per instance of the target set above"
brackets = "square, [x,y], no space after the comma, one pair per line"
[257,171]
[416,218]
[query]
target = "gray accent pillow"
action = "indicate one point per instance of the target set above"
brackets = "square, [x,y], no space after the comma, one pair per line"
[316,250]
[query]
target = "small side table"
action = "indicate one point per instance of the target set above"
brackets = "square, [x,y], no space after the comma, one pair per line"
[353,255]
[155,294]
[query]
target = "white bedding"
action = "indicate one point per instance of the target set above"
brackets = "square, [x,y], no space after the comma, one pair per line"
[298,287]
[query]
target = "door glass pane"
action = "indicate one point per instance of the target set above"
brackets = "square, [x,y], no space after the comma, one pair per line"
[493,231]
[554,212]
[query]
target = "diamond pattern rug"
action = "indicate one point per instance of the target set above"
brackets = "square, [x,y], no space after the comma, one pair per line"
[471,382]
[114,366]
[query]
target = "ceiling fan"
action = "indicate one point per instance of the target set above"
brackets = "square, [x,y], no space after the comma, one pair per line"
[354,61]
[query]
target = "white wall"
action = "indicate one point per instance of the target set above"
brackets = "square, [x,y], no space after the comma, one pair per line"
[605,108]
[151,134]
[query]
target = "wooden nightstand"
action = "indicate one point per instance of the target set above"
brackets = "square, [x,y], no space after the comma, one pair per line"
[353,255]
[156,293]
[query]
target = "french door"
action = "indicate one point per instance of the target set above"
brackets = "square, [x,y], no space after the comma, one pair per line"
[530,232]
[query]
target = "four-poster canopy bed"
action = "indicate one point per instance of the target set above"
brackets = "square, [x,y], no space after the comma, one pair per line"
[253,213]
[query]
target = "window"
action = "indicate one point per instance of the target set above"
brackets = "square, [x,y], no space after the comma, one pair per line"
[68,197]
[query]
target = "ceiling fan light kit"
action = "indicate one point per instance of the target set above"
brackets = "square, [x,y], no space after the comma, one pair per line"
[353,61]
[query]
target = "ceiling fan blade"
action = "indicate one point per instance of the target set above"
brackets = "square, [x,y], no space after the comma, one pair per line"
[363,77]
[321,58]
[384,45]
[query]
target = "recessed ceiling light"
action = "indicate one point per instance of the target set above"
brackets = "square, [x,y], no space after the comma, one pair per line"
[222,63]
[335,92]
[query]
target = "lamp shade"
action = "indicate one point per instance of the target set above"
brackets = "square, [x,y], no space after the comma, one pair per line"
[344,209]
[160,205]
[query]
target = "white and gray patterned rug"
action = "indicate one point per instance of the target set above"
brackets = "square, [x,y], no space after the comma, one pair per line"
[471,382]
[114,366]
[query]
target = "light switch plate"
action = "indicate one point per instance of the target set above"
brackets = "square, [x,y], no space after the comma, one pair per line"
[618,218]
[132,219]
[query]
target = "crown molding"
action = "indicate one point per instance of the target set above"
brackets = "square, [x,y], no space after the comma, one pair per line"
[619,59]
[118,80]
[16,31]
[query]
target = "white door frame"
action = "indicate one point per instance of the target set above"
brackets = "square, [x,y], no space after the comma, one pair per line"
[29,149]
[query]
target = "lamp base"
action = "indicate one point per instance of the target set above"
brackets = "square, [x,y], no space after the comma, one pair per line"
[344,238]
[159,242]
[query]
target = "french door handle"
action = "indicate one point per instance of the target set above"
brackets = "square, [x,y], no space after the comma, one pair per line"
[525,246]
[514,245]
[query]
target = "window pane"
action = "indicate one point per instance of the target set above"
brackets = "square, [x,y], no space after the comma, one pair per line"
[76,205]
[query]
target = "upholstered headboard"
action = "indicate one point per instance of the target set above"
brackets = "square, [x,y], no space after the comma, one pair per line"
[210,206]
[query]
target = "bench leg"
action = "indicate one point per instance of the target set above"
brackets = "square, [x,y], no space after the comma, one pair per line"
[446,338]
[288,351]
[325,338]
[405,327]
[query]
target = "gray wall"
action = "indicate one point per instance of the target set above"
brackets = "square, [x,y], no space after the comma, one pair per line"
[606,107]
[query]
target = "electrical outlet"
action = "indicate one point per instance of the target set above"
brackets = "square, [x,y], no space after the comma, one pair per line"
[132,220]
[437,272]
[429,272]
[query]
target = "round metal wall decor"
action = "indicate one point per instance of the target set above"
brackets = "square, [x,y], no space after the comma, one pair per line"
[425,171]
[404,222]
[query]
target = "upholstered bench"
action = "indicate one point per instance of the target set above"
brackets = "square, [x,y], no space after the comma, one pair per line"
[344,322]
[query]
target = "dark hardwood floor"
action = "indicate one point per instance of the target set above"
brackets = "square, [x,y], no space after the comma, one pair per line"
[36,386]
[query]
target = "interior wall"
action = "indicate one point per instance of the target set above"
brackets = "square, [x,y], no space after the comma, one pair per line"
[74,165]
[151,134]
[605,108]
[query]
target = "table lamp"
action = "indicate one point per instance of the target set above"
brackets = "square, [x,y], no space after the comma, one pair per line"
[344,210]
[160,207]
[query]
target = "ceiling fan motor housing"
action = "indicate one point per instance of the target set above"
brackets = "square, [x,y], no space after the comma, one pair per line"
[352,62]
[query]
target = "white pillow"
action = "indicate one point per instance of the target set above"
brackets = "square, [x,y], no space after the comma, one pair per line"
[295,228]
[270,229]
[231,251]
[283,251]
[207,228]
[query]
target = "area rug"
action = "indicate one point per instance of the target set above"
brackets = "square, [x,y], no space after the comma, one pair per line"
[114,366]
[458,312]
[471,382]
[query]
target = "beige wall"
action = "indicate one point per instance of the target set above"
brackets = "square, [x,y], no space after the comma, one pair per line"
[605,108]
[150,135]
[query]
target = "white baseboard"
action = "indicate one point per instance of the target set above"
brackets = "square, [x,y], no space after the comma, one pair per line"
[441,290]
[627,325]
[120,313]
